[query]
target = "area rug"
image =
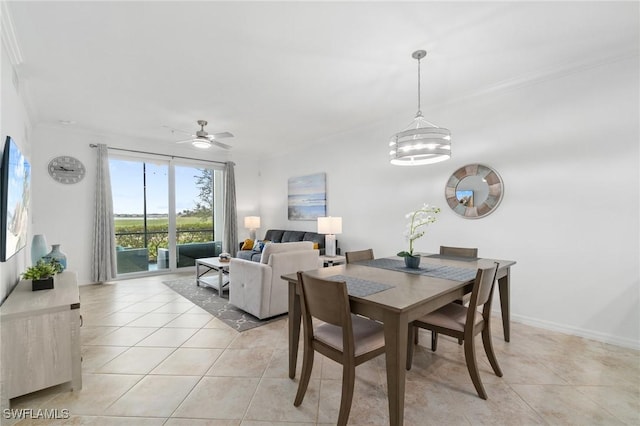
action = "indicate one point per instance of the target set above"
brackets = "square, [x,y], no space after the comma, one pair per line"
[207,298]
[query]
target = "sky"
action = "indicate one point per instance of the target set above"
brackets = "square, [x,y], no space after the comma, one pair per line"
[127,187]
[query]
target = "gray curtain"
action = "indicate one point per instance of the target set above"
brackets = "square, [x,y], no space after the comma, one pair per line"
[103,266]
[230,244]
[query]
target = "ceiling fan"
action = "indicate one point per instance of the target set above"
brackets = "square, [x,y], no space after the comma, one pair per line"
[204,140]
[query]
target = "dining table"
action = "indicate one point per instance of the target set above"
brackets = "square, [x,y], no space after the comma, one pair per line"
[402,295]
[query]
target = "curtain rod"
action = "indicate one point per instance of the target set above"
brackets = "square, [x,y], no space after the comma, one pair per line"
[92,145]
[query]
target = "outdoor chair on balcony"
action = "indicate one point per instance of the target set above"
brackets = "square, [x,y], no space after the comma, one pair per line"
[132,259]
[188,253]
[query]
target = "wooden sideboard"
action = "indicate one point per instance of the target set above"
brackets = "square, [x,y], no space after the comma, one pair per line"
[40,338]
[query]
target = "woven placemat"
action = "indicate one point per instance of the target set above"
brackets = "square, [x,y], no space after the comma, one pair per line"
[437,271]
[359,287]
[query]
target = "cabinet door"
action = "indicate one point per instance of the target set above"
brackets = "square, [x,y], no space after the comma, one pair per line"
[38,350]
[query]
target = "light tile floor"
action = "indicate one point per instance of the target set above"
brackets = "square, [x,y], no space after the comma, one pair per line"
[151,357]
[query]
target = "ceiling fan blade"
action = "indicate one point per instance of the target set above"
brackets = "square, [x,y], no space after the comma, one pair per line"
[221,135]
[186,140]
[220,144]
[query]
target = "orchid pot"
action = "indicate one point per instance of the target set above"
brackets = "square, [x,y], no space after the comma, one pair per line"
[416,228]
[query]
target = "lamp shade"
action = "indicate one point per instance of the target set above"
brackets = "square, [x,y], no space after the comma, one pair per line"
[420,143]
[252,222]
[330,225]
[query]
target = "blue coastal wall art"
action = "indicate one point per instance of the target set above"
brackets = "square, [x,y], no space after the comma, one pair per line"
[307,197]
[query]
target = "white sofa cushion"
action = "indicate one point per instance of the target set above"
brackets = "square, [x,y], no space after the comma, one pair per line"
[270,248]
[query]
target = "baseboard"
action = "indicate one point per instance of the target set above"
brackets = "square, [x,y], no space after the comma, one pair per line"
[576,331]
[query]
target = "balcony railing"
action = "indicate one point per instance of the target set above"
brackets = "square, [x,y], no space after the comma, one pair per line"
[134,246]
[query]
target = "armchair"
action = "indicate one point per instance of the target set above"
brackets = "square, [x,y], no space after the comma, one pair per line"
[256,287]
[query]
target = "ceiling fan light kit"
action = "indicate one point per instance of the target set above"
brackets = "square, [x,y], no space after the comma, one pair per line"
[201,144]
[203,140]
[421,142]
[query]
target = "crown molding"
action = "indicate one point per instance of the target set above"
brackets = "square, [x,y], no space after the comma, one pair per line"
[10,42]
[8,35]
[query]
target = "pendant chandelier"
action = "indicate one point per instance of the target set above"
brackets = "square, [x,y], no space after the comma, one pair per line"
[421,142]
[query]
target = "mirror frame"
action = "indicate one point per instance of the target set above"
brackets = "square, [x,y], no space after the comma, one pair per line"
[496,190]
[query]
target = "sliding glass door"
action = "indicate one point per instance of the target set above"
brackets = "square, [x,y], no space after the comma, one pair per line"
[165,213]
[141,215]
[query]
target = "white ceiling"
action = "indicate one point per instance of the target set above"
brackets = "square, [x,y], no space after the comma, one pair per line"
[279,75]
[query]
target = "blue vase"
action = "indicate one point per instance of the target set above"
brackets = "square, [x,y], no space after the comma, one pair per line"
[56,254]
[38,248]
[412,262]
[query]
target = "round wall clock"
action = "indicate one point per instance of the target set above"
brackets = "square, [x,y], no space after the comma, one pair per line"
[66,169]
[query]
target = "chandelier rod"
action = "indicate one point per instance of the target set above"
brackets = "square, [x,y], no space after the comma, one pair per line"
[419,54]
[419,106]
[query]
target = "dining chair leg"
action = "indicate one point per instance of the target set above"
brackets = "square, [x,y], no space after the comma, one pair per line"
[488,349]
[305,375]
[413,331]
[472,366]
[434,341]
[348,382]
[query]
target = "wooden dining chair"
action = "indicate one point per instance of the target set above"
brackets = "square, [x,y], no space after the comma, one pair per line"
[464,323]
[458,251]
[465,252]
[358,256]
[345,338]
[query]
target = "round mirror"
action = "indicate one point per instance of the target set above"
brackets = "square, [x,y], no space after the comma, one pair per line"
[474,191]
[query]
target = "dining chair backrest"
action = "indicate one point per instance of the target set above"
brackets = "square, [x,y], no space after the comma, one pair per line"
[325,300]
[483,286]
[458,251]
[343,337]
[359,255]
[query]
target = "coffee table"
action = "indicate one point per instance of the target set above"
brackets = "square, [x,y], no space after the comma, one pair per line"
[208,264]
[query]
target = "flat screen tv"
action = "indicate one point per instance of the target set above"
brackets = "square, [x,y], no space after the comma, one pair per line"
[15,191]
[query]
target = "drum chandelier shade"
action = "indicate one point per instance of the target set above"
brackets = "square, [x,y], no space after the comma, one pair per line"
[421,142]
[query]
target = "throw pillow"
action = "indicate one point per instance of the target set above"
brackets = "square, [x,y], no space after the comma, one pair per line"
[259,245]
[247,245]
[316,246]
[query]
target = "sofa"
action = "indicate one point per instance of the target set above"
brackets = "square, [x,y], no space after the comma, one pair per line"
[256,287]
[283,236]
[189,252]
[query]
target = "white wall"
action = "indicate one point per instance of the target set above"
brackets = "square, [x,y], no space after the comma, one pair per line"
[567,150]
[14,122]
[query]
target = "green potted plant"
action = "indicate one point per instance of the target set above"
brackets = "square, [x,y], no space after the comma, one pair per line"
[41,274]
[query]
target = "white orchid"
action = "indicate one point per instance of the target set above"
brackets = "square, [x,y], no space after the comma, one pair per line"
[417,219]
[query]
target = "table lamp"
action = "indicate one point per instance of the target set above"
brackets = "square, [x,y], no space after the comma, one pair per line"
[252,223]
[330,226]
